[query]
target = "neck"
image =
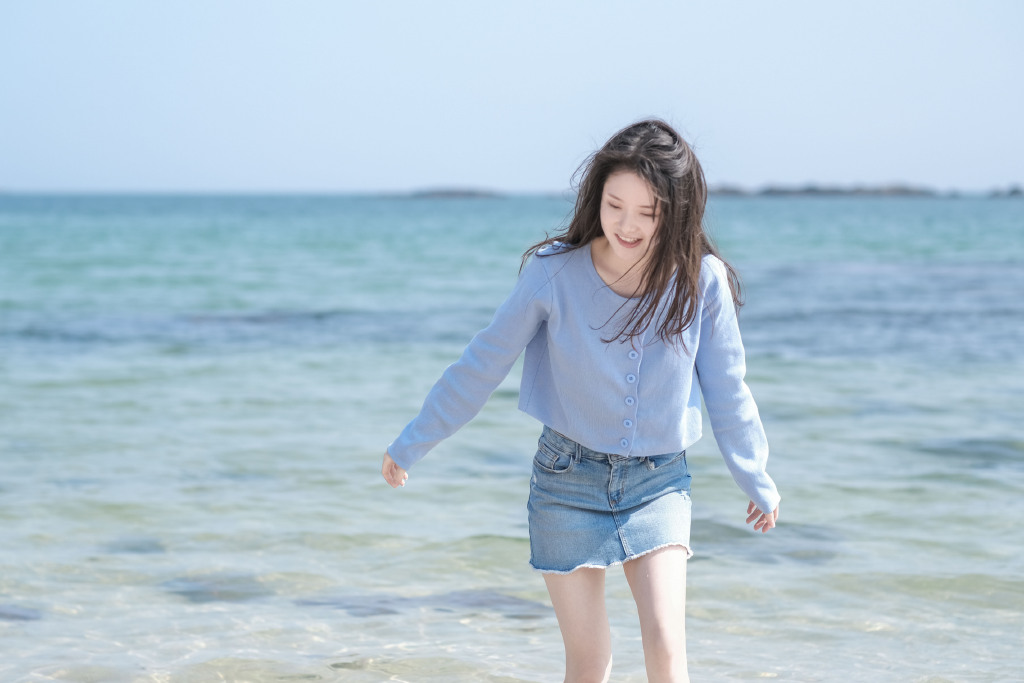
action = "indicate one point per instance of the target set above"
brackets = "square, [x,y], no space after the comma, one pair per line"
[622,278]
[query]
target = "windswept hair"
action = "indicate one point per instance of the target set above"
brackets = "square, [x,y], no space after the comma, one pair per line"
[659,155]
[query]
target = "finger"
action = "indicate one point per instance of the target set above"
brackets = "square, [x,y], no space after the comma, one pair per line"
[769,520]
[753,512]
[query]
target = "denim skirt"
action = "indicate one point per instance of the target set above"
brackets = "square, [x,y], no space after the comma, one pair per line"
[591,509]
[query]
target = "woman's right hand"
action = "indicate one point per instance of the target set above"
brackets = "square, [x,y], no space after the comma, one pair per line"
[393,474]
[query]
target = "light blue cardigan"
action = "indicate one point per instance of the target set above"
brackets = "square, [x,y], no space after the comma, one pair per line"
[610,397]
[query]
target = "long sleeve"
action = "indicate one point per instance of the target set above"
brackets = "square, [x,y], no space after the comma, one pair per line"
[465,385]
[721,367]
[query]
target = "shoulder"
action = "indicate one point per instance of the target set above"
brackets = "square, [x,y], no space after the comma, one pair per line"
[540,270]
[552,259]
[551,269]
[713,273]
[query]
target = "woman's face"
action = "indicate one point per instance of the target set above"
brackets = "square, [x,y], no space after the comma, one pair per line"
[629,217]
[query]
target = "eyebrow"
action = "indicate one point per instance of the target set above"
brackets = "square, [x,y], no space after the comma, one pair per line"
[642,206]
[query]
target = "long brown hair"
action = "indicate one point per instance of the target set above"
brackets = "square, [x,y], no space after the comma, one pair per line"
[659,155]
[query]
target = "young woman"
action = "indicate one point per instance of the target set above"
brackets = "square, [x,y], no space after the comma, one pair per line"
[628,318]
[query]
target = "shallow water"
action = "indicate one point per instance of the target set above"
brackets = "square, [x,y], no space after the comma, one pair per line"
[195,392]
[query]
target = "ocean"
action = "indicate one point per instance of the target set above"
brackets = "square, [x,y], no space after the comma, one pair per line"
[195,394]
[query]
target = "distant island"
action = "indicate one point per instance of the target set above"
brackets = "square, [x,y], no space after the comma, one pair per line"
[456,193]
[895,190]
[727,190]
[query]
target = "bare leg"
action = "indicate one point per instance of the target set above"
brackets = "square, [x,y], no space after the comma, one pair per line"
[658,582]
[578,599]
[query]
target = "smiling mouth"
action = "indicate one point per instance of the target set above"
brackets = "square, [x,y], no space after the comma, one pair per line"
[629,244]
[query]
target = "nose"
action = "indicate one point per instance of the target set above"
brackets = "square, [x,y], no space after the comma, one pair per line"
[627,219]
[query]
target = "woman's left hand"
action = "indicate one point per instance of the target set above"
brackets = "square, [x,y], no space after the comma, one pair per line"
[764,521]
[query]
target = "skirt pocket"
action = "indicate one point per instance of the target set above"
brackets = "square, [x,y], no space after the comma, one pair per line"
[553,460]
[656,462]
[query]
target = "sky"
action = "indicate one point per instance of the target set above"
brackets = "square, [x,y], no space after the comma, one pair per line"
[340,96]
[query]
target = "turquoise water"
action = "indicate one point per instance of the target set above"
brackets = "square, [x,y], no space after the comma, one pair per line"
[195,393]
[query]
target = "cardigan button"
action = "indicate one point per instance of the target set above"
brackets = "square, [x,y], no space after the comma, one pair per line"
[633,355]
[630,400]
[627,423]
[631,378]
[624,443]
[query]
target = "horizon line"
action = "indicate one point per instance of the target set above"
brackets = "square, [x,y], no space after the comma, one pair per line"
[465,191]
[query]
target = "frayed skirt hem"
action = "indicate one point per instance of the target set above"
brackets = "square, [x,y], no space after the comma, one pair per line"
[689,554]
